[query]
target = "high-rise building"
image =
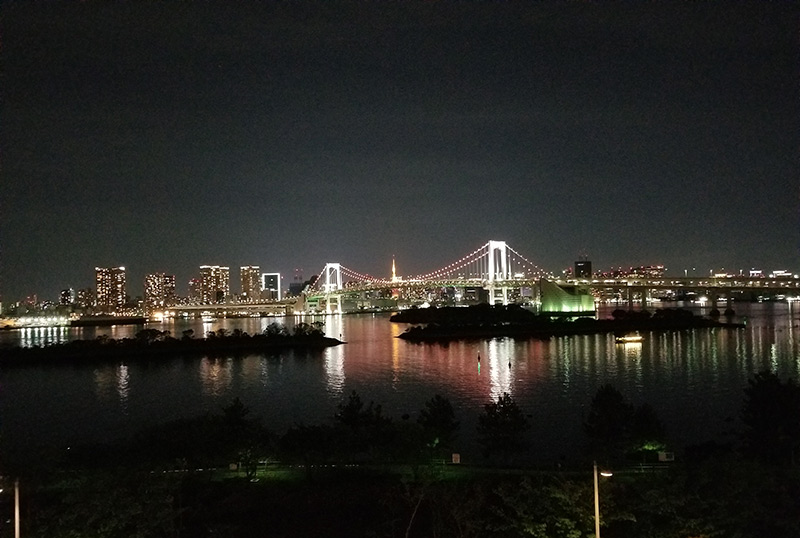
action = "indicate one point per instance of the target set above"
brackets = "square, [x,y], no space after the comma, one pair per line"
[297,285]
[251,283]
[214,284]
[271,286]
[85,297]
[110,286]
[159,291]
[170,295]
[583,269]
[67,297]
[153,292]
[195,290]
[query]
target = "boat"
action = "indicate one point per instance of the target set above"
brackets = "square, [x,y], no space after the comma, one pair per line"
[633,338]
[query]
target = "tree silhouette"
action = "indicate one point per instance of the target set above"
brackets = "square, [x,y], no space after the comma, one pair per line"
[275,330]
[309,445]
[609,423]
[647,430]
[363,429]
[439,424]
[502,427]
[771,416]
[309,329]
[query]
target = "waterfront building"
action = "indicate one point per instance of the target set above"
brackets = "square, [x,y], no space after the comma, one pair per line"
[251,282]
[214,284]
[85,298]
[153,292]
[66,297]
[110,289]
[271,286]
[159,291]
[195,291]
[170,295]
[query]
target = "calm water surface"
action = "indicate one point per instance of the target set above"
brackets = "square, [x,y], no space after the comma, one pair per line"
[693,379]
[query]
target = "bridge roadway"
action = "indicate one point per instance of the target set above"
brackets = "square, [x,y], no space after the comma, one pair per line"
[270,308]
[698,284]
[628,288]
[693,283]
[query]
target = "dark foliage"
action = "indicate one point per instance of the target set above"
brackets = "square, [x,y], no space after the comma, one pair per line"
[647,430]
[502,427]
[150,489]
[608,425]
[308,445]
[207,441]
[771,418]
[439,424]
[363,432]
[616,429]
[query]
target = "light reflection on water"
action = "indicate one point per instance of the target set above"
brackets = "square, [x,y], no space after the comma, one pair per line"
[500,352]
[334,370]
[42,336]
[693,379]
[215,375]
[112,384]
[123,383]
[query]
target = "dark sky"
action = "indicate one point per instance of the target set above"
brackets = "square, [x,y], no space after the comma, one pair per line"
[167,136]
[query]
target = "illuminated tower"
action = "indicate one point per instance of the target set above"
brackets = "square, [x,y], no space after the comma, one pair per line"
[395,278]
[251,282]
[85,297]
[66,297]
[153,292]
[170,296]
[110,286]
[159,291]
[214,284]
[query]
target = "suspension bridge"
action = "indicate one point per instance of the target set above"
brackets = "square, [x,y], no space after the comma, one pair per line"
[491,273]
[496,273]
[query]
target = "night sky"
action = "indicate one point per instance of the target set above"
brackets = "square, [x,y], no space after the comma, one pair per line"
[162,137]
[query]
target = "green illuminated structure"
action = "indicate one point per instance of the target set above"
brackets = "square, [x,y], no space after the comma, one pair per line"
[565,299]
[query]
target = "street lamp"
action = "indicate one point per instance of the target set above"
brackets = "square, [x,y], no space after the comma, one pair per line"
[597,501]
[16,506]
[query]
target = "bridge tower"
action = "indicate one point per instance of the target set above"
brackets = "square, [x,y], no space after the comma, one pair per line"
[497,271]
[333,283]
[498,261]
[333,277]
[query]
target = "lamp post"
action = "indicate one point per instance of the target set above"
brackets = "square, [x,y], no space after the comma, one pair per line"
[597,501]
[16,508]
[16,505]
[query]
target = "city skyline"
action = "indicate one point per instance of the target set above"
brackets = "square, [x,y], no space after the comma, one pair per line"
[157,287]
[161,137]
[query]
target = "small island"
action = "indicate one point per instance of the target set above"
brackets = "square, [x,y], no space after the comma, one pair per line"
[149,343]
[485,321]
